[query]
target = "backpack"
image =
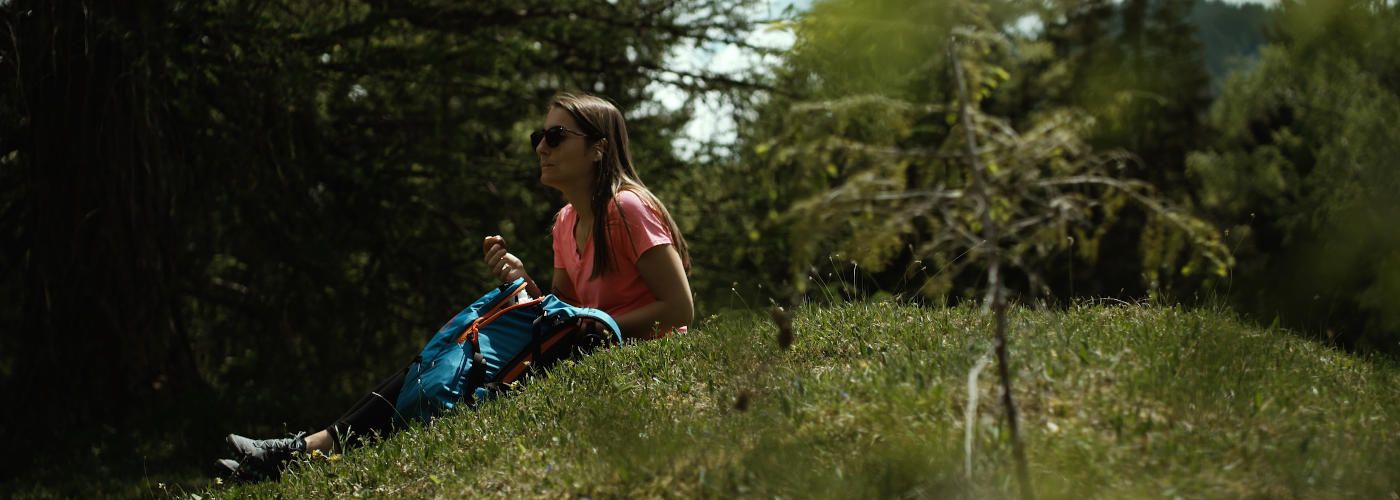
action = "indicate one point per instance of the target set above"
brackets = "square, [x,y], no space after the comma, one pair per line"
[493,343]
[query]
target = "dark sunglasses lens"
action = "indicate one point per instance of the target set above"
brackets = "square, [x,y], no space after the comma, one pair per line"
[554,136]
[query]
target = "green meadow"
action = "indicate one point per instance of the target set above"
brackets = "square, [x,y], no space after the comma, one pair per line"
[1117,401]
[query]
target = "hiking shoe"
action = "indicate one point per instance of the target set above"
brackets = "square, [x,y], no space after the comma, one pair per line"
[226,468]
[264,458]
[230,471]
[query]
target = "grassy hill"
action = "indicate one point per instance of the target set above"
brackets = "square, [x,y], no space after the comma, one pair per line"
[1117,401]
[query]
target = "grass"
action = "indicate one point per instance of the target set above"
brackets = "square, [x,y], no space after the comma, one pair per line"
[1117,401]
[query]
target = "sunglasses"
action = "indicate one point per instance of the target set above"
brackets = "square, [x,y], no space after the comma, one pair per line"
[552,136]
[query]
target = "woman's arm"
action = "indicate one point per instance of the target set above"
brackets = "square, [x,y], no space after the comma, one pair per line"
[661,269]
[563,287]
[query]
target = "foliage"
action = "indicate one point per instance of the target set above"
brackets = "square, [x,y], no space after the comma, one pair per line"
[869,402]
[883,175]
[1231,36]
[751,192]
[1303,168]
[1137,68]
[843,113]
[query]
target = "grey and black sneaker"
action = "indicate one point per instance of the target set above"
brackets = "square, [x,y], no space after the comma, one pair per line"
[226,468]
[259,459]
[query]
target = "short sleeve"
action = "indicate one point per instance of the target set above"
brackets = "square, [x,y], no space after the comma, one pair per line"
[643,227]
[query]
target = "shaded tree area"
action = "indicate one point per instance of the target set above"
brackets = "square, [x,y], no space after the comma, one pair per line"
[1136,68]
[1302,170]
[1231,35]
[228,213]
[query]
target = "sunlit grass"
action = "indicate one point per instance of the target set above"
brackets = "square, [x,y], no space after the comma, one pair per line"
[1117,401]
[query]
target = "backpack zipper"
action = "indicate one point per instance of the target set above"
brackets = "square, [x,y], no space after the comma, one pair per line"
[481,321]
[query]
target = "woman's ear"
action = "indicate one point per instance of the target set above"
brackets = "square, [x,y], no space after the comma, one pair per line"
[598,149]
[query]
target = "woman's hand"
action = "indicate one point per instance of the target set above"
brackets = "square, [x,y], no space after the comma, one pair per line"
[504,265]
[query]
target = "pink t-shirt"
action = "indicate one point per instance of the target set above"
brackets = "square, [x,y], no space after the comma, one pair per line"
[621,289]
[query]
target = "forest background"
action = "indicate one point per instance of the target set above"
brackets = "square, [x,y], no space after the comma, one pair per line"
[213,212]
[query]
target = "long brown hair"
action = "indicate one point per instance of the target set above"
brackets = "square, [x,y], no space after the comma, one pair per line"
[600,120]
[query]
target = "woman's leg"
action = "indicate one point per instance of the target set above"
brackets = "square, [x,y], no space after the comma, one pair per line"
[320,441]
[372,415]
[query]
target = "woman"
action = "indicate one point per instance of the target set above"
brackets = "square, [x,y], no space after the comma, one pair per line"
[636,272]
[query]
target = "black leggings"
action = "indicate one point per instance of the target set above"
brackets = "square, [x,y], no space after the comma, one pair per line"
[372,415]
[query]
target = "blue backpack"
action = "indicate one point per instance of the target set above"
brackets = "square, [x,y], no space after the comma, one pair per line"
[493,343]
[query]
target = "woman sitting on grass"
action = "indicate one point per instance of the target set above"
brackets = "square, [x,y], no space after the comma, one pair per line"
[636,272]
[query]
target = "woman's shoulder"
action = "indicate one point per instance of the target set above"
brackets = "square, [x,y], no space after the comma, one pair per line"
[629,202]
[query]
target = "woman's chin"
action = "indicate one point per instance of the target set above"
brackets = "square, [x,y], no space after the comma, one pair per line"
[547,178]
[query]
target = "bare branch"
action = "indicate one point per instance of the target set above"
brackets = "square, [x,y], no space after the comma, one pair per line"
[997,300]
